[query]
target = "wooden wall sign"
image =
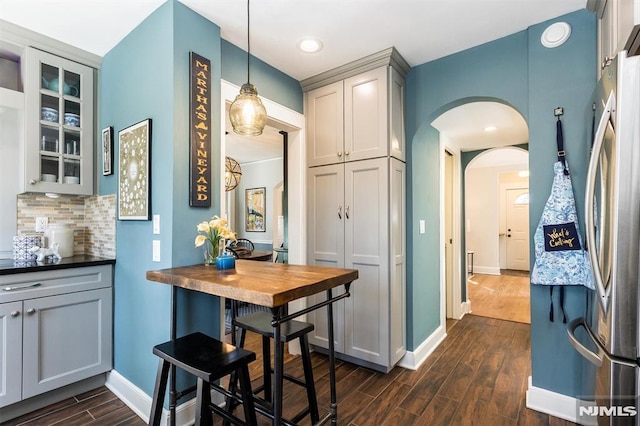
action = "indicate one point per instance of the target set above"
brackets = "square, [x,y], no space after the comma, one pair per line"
[200,160]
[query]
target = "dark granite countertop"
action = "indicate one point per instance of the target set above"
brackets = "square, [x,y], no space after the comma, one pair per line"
[10,266]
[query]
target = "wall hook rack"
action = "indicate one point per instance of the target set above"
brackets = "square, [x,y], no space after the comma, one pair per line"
[558,111]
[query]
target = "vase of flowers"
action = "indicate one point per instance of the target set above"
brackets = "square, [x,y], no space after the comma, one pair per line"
[212,236]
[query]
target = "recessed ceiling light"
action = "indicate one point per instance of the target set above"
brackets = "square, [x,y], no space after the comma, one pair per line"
[310,45]
[490,128]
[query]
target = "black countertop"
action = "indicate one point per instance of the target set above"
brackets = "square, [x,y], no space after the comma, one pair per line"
[10,266]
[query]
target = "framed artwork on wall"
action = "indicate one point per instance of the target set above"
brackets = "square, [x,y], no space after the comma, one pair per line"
[255,201]
[134,171]
[107,151]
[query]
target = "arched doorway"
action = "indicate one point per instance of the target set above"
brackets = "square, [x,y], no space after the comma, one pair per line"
[466,129]
[497,233]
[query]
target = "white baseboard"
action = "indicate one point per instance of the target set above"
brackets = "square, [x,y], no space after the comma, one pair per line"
[486,270]
[465,308]
[140,402]
[552,403]
[413,360]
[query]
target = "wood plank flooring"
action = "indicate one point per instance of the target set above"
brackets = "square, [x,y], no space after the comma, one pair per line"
[477,376]
[503,296]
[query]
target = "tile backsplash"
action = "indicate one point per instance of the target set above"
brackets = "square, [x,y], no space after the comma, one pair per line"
[93,219]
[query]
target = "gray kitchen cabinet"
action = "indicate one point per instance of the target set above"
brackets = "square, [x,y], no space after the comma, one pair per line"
[59,125]
[356,220]
[59,326]
[618,28]
[356,194]
[10,352]
[356,112]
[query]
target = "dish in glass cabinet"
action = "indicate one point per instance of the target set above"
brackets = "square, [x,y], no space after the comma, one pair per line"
[71,119]
[49,114]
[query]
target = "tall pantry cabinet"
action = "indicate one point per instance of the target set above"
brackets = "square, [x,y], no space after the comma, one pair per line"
[356,203]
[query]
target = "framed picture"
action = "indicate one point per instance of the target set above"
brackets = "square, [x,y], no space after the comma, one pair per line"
[134,171]
[107,151]
[255,200]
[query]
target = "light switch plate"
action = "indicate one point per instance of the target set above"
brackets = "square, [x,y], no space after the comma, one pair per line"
[156,250]
[422,226]
[156,223]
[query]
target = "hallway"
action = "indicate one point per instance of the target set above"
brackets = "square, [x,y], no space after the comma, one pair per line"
[504,296]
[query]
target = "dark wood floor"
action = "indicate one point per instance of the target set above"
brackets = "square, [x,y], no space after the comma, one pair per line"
[477,376]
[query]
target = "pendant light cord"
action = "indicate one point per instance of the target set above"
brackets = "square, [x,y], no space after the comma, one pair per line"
[248,43]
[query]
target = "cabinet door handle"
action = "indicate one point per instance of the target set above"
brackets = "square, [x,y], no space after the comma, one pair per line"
[21,287]
[340,154]
[33,182]
[346,212]
[15,313]
[339,212]
[31,311]
[346,153]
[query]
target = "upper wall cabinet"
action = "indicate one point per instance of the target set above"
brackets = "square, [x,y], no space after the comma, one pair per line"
[618,28]
[59,129]
[356,112]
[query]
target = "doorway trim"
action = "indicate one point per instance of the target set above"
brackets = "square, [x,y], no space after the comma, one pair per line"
[459,308]
[294,123]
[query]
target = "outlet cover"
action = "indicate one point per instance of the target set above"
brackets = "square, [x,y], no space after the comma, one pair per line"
[41,224]
[156,250]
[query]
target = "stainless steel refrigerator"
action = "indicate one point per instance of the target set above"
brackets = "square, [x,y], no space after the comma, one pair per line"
[612,223]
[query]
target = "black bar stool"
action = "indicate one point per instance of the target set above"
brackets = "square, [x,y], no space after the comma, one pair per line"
[260,323]
[209,360]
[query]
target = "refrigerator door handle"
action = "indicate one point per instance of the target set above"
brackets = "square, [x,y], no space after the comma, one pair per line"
[594,358]
[604,294]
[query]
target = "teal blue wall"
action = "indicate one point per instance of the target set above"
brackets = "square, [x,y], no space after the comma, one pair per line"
[494,71]
[518,71]
[271,83]
[147,76]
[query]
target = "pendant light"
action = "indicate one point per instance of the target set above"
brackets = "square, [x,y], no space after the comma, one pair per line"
[232,174]
[247,113]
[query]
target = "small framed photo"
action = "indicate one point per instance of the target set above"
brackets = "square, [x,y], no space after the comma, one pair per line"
[255,213]
[134,171]
[107,151]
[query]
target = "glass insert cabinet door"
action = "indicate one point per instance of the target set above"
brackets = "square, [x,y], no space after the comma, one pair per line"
[59,125]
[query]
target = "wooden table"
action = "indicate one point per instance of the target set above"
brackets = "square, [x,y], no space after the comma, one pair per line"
[260,255]
[267,284]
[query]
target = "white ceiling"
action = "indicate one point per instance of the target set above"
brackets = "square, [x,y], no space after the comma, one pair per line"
[464,126]
[421,30]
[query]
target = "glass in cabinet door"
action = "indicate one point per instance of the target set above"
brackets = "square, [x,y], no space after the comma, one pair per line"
[60,125]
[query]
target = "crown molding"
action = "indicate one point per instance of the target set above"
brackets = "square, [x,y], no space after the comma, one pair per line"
[14,39]
[389,56]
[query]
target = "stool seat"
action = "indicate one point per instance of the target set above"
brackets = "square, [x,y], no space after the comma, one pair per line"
[207,359]
[260,323]
[204,356]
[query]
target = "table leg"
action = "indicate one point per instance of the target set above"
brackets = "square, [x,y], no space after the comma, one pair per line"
[333,409]
[278,366]
[172,370]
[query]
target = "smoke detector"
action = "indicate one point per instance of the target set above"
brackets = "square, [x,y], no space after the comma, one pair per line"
[555,34]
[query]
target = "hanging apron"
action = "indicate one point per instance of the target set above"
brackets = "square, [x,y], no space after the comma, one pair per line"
[561,259]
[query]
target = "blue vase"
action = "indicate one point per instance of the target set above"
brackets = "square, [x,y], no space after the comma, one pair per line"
[225,261]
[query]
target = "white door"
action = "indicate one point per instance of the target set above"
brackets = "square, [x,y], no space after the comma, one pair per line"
[517,219]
